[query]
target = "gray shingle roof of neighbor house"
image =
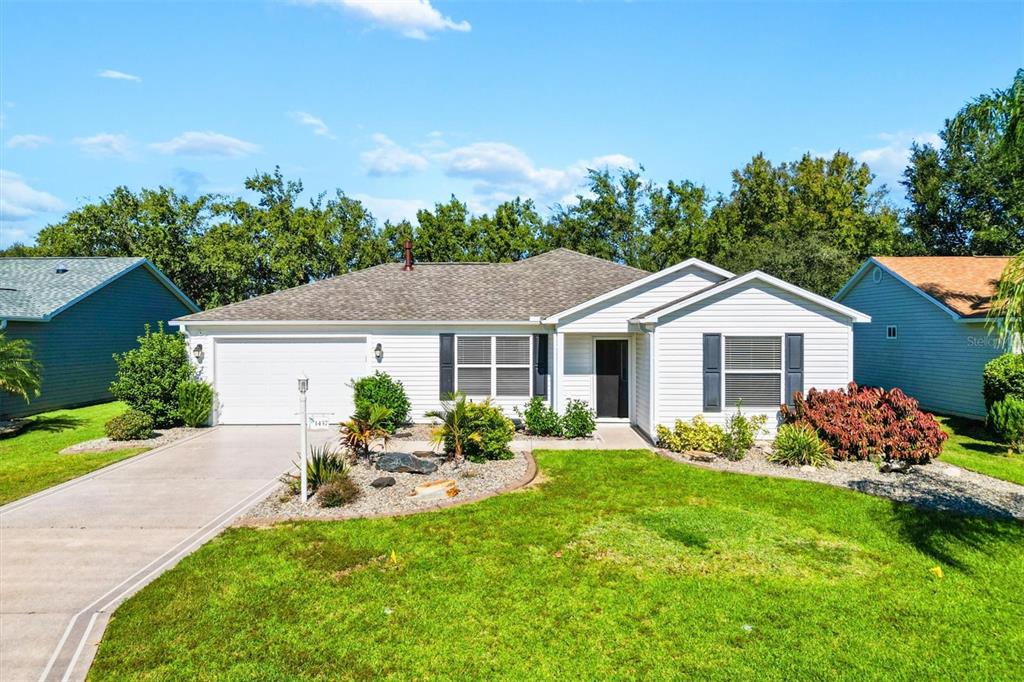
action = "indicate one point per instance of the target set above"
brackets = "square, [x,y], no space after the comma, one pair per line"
[538,286]
[39,288]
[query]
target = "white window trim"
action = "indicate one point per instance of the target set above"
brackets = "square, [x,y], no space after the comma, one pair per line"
[781,371]
[494,365]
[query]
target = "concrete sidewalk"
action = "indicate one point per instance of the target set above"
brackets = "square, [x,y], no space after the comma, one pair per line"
[70,554]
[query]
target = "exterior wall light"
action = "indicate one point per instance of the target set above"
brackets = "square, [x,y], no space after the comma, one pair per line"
[197,353]
[303,384]
[378,352]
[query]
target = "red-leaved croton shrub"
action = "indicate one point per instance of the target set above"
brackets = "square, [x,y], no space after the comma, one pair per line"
[863,423]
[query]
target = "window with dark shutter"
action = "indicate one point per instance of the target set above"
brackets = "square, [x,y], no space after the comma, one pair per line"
[489,366]
[753,370]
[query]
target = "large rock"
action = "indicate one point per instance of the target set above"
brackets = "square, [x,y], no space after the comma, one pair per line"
[403,462]
[383,482]
[895,466]
[435,489]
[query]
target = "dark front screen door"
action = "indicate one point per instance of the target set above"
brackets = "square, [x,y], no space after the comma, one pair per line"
[612,382]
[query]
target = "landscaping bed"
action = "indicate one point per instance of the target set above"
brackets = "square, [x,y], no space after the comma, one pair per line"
[159,438]
[936,485]
[421,433]
[473,482]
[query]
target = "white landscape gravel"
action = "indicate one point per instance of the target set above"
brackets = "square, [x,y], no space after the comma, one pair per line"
[473,481]
[160,437]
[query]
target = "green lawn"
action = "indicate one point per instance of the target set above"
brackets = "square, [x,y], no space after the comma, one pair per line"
[29,462]
[971,446]
[620,564]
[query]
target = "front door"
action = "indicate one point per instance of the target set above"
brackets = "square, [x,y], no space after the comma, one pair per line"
[612,361]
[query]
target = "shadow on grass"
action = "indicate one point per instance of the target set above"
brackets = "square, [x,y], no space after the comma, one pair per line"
[943,536]
[54,424]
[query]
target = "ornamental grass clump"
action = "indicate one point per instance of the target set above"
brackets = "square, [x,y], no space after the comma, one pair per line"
[799,445]
[860,423]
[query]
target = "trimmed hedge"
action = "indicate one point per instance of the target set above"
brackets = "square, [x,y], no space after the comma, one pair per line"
[1003,376]
[380,389]
[130,425]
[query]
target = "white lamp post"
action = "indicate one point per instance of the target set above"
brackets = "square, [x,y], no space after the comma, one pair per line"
[303,446]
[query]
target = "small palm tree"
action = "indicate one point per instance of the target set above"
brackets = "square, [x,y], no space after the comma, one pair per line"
[1007,314]
[456,427]
[364,427]
[19,371]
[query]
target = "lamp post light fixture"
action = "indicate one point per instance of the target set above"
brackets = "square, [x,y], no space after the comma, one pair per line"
[378,352]
[303,443]
[197,353]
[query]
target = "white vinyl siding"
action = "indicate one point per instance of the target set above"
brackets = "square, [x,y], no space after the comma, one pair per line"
[933,357]
[642,413]
[614,315]
[493,366]
[755,310]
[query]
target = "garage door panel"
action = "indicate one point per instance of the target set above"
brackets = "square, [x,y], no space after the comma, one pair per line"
[256,380]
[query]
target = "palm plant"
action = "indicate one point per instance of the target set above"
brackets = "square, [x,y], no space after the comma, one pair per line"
[19,371]
[1007,314]
[456,427]
[364,427]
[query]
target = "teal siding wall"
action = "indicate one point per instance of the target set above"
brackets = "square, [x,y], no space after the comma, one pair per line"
[76,347]
[934,358]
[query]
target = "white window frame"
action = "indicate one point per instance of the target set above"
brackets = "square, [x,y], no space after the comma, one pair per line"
[781,371]
[494,365]
[895,332]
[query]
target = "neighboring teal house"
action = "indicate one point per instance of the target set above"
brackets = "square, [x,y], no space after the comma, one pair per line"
[78,312]
[928,333]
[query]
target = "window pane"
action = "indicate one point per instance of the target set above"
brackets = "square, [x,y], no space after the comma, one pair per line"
[753,352]
[758,390]
[513,381]
[475,381]
[512,350]
[474,350]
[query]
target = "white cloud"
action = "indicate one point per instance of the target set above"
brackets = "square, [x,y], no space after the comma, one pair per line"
[28,141]
[394,210]
[20,201]
[411,18]
[313,123]
[106,145]
[118,75]
[503,168]
[889,160]
[208,143]
[389,158]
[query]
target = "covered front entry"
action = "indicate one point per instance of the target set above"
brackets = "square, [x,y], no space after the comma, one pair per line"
[256,379]
[611,368]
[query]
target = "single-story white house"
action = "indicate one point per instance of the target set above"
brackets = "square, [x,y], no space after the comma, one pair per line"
[637,347]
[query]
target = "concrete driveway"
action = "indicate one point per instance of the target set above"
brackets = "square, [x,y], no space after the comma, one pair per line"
[69,555]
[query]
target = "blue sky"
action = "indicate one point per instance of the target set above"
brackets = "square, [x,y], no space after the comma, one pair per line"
[405,103]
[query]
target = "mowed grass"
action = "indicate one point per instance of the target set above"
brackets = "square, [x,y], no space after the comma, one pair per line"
[617,565]
[971,446]
[30,461]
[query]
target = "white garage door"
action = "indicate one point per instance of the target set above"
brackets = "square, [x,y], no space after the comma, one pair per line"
[257,379]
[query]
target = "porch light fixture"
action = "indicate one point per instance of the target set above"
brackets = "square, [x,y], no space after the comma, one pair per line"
[378,352]
[303,384]
[197,353]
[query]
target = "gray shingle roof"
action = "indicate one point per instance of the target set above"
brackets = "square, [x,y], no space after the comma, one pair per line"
[31,288]
[539,286]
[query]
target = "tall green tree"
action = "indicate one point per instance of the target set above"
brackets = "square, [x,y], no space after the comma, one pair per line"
[967,197]
[678,217]
[446,234]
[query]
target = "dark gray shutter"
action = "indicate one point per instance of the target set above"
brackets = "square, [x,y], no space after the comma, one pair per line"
[447,365]
[794,366]
[712,372]
[540,365]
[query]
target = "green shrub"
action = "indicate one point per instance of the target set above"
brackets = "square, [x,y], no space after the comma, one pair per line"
[129,425]
[696,434]
[195,400]
[578,420]
[495,429]
[148,376]
[380,389]
[740,433]
[322,465]
[1006,418]
[799,444]
[1003,376]
[338,491]
[540,419]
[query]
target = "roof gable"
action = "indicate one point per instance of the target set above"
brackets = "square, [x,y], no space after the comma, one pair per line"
[654,315]
[962,286]
[32,289]
[438,292]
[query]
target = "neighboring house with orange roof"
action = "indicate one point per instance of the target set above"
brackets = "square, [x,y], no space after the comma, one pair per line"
[928,333]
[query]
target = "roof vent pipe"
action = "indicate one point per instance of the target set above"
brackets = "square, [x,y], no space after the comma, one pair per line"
[60,269]
[408,255]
